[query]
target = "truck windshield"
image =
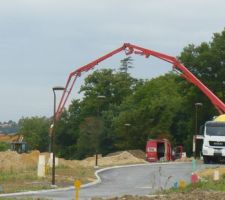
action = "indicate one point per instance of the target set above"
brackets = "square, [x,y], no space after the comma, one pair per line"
[215,130]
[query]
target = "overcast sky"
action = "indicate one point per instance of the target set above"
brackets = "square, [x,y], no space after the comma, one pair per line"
[42,41]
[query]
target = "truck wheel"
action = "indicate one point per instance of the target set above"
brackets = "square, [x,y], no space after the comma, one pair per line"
[206,159]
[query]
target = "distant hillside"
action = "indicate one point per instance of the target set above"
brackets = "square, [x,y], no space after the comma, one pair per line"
[8,127]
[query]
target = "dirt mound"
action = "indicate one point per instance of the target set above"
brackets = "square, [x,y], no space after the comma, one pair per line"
[12,161]
[122,158]
[118,158]
[138,154]
[114,153]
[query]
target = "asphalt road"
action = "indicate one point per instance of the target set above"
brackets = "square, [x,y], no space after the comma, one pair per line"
[136,180]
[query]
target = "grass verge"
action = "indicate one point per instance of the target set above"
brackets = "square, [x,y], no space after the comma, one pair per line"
[13,181]
[208,185]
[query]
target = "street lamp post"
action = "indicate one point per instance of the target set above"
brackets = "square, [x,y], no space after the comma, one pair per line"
[53,133]
[196,127]
[127,125]
[100,97]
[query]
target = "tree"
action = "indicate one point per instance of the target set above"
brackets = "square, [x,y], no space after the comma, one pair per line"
[126,64]
[35,132]
[160,107]
[113,85]
[67,131]
[206,62]
[89,139]
[150,111]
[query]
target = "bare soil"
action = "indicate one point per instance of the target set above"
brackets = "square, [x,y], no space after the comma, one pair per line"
[8,138]
[12,161]
[193,195]
[136,153]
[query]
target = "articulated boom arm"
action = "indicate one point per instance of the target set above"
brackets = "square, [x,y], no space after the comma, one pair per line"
[129,49]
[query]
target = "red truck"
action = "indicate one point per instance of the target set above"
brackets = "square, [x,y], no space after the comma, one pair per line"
[161,150]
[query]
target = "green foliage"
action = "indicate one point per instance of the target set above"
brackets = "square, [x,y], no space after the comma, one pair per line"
[207,62]
[67,131]
[150,111]
[126,64]
[4,146]
[89,140]
[114,86]
[35,132]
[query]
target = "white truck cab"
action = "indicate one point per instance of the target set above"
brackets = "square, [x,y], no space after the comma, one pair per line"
[214,141]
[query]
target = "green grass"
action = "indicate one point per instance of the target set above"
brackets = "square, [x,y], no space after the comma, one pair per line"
[11,176]
[208,185]
[26,180]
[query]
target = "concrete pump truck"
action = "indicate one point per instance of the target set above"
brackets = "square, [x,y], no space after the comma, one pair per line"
[214,131]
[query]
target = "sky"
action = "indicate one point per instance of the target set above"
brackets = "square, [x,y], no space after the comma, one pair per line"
[42,41]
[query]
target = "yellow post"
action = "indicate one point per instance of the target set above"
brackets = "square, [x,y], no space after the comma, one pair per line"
[77,194]
[77,185]
[182,184]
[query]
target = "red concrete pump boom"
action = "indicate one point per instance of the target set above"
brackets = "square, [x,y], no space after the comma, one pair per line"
[129,49]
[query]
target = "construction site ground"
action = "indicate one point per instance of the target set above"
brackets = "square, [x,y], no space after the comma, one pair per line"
[18,172]
[193,195]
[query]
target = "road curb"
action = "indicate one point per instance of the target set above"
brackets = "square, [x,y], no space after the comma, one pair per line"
[88,184]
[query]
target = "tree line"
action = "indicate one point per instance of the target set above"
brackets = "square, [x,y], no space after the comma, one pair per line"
[9,127]
[119,112]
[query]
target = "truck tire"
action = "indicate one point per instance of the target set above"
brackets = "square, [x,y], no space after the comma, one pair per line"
[206,159]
